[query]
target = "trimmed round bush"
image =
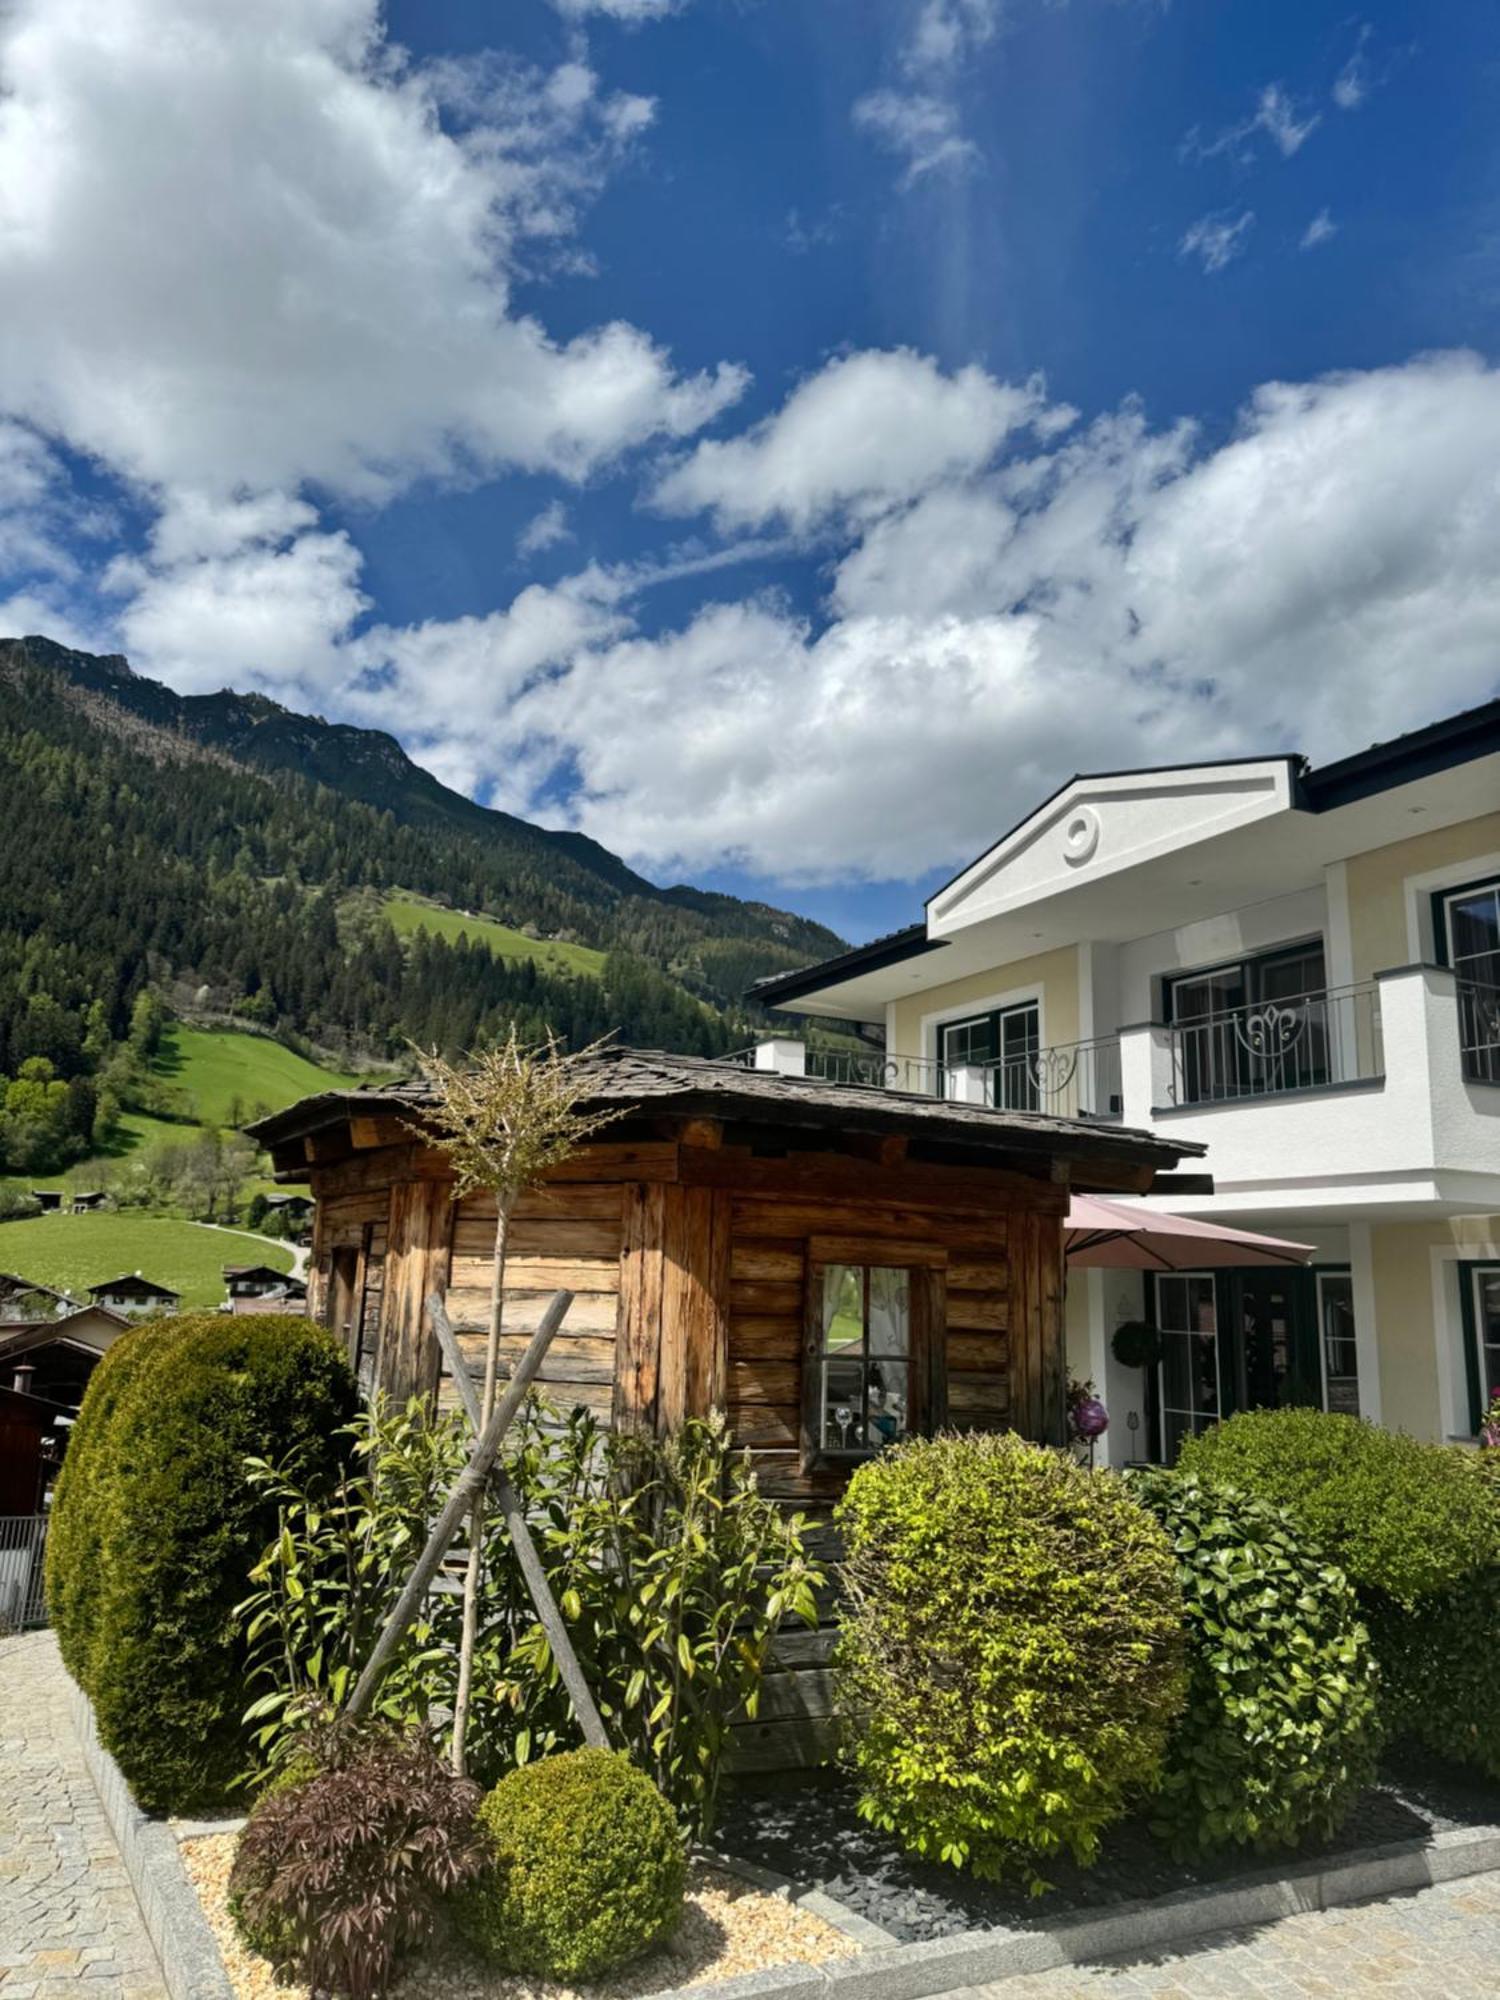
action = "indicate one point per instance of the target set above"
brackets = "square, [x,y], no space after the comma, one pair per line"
[158,1510]
[1402,1519]
[588,1870]
[1281,1729]
[1011,1658]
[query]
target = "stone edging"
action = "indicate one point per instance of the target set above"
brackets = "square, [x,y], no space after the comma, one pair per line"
[976,1958]
[174,1919]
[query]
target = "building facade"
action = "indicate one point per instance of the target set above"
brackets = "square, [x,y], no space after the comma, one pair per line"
[1297,968]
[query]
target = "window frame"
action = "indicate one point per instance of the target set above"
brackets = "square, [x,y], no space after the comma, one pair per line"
[926,1268]
[1470,1270]
[993,1020]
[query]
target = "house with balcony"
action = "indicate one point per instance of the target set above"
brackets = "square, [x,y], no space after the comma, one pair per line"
[1297,967]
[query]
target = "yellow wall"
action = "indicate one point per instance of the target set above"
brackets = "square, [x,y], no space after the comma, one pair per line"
[1377,888]
[1412,1351]
[1055,972]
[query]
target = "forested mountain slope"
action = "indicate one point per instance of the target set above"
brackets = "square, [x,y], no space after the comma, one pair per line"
[233,856]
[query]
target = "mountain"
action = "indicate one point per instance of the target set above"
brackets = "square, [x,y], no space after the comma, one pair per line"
[234,856]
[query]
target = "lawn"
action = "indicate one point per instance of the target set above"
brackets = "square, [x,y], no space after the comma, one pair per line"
[224,1072]
[76,1251]
[409,914]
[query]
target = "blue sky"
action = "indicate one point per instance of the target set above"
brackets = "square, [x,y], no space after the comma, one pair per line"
[782,437]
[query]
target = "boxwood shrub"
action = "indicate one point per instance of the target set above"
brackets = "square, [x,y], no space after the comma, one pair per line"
[1405,1521]
[1011,1658]
[589,1868]
[1281,1729]
[158,1526]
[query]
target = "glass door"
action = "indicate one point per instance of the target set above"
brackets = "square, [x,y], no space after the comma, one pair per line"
[1272,1339]
[1188,1375]
[1204,1008]
[1340,1351]
[1481,1308]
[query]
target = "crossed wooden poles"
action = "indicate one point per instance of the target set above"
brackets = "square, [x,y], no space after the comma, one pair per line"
[467,1488]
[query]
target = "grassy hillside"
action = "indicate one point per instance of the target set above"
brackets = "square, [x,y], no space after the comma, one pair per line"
[76,1251]
[225,1073]
[411,913]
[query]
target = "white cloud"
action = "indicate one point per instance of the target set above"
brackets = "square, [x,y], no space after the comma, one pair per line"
[1319,230]
[1216,240]
[1325,577]
[866,430]
[630,11]
[544,530]
[1275,117]
[1352,85]
[919,120]
[245,252]
[921,127]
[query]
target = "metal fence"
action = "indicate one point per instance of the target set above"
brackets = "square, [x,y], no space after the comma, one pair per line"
[23,1541]
[1276,1047]
[1479,1022]
[1079,1080]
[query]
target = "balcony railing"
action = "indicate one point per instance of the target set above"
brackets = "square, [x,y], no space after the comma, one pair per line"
[1479,1024]
[1275,1047]
[1076,1080]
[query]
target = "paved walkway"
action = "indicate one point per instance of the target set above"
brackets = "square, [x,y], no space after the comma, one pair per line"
[69,1925]
[1439,1944]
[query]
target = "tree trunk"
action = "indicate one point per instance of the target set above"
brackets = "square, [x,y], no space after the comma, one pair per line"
[470,1638]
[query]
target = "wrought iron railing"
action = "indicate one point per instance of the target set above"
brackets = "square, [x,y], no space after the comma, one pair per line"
[23,1543]
[1275,1047]
[1479,1020]
[1076,1080]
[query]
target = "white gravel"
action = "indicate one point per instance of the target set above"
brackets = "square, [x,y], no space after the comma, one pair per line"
[728,1928]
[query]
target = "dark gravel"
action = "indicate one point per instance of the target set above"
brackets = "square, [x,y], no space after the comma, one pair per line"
[811,1832]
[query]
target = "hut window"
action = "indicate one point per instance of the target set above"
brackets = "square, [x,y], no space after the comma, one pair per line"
[865,1357]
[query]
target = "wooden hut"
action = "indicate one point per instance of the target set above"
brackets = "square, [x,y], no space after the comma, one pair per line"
[710,1236]
[832,1265]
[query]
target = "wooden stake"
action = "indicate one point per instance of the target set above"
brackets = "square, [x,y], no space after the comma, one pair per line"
[568,1664]
[466,1490]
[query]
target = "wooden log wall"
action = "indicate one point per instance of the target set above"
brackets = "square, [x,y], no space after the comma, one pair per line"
[690,1264]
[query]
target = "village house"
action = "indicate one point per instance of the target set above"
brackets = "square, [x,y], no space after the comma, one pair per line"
[45,1366]
[134,1295]
[1296,967]
[263,1288]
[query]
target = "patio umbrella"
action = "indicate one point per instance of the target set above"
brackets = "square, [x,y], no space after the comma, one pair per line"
[1112,1235]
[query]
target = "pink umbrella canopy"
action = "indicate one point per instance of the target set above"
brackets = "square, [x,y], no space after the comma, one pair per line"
[1111,1235]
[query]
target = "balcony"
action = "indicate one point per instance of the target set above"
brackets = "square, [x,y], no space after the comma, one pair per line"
[1317,1041]
[1075,1080]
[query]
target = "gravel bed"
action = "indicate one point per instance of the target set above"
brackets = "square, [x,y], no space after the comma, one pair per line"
[812,1834]
[727,1929]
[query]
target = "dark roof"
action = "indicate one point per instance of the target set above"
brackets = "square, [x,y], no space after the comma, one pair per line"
[651,1080]
[18,1340]
[260,1271]
[132,1281]
[13,1285]
[1420,753]
[910,942]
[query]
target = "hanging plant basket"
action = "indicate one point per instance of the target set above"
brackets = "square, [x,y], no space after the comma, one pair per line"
[1137,1344]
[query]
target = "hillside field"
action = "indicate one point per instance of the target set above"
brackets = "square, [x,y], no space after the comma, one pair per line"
[409,913]
[221,1069]
[76,1251]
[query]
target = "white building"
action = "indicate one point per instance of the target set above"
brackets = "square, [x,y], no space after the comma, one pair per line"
[1300,968]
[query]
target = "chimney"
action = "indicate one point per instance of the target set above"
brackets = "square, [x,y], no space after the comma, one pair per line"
[21,1380]
[783,1055]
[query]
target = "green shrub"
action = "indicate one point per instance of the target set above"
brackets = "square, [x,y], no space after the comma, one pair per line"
[1011,1657]
[588,1868]
[671,1569]
[1281,1729]
[337,1873]
[162,1504]
[1404,1520]
[75,1533]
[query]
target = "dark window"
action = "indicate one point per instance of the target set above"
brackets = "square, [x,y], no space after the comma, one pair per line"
[1007,1042]
[1256,1026]
[1467,933]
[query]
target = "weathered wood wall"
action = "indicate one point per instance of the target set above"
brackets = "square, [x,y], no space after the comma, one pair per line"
[690,1264]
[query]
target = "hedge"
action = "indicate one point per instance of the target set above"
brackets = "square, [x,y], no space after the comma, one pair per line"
[157,1527]
[1405,1521]
[1281,1730]
[1011,1657]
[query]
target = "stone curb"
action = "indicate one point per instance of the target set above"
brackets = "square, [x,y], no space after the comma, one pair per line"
[869,1936]
[1138,1929]
[185,1947]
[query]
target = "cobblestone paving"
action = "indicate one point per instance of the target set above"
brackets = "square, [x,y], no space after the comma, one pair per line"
[1440,1944]
[69,1925]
